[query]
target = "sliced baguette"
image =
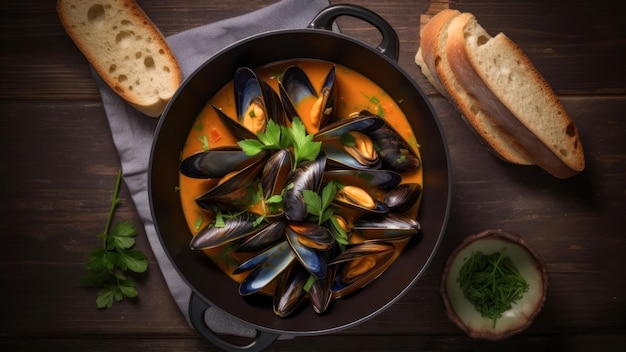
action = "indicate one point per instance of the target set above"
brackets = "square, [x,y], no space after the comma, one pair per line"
[509,88]
[431,57]
[125,49]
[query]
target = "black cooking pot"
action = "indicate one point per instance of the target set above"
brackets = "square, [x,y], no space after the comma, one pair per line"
[211,287]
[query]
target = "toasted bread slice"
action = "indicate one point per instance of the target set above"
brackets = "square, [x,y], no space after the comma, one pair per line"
[125,49]
[431,57]
[508,87]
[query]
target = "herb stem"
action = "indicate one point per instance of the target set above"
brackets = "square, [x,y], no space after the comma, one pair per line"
[114,204]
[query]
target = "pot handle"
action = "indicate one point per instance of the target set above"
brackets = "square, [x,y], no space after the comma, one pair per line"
[197,308]
[389,45]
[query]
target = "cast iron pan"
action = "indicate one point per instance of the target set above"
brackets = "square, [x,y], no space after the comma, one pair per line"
[210,286]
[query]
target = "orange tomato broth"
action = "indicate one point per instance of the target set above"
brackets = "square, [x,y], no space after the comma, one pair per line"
[355,92]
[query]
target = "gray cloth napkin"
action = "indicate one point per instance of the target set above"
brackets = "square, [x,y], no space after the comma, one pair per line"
[133,132]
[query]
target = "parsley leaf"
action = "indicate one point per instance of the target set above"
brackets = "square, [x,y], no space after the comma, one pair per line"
[304,148]
[107,265]
[319,205]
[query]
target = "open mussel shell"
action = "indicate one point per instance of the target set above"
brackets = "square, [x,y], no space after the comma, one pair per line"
[388,226]
[353,202]
[265,266]
[295,87]
[307,176]
[347,144]
[234,127]
[359,265]
[289,293]
[275,172]
[312,235]
[311,259]
[255,101]
[217,162]
[231,189]
[234,228]
[393,150]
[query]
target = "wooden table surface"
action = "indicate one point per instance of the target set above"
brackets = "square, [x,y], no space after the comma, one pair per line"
[58,167]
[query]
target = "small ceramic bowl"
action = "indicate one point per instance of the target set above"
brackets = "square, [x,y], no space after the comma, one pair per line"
[522,313]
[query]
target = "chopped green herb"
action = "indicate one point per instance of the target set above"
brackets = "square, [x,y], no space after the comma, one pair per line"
[107,265]
[199,221]
[205,142]
[491,283]
[309,283]
[198,127]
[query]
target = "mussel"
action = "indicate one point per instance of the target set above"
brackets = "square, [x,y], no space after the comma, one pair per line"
[231,191]
[307,176]
[289,293]
[234,228]
[359,264]
[403,197]
[256,102]
[300,98]
[347,144]
[218,162]
[311,259]
[275,172]
[265,267]
[393,150]
[264,238]
[387,226]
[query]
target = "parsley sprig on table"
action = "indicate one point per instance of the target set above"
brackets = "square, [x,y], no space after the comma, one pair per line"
[109,266]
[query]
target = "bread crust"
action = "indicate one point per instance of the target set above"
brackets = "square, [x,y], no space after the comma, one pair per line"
[469,74]
[432,53]
[98,30]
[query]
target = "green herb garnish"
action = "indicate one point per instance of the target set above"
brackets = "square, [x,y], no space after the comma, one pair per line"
[319,204]
[309,282]
[491,283]
[278,137]
[274,137]
[108,266]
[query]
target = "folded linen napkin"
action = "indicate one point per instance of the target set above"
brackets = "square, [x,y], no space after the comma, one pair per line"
[133,132]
